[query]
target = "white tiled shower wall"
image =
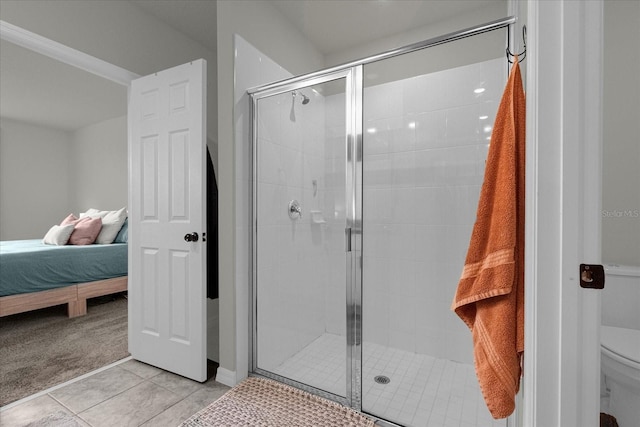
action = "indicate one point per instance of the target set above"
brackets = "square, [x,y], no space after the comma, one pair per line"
[425,144]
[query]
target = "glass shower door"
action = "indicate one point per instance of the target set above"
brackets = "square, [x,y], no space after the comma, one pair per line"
[300,212]
[428,117]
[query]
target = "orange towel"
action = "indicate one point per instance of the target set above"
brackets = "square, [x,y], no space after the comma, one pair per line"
[490,295]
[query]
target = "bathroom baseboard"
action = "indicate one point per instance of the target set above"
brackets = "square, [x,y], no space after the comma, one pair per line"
[226,377]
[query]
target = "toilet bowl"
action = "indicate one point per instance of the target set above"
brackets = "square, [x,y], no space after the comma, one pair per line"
[621,370]
[620,344]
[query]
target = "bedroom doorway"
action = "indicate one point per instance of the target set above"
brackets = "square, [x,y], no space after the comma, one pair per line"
[92,66]
[55,116]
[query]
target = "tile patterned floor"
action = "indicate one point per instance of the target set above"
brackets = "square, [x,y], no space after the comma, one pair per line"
[126,394]
[423,391]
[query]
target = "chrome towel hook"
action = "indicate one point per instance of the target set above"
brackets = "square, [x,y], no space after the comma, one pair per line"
[522,55]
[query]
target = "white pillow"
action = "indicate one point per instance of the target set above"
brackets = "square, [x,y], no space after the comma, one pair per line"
[58,235]
[111,223]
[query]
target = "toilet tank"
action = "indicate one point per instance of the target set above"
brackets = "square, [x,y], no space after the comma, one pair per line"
[621,297]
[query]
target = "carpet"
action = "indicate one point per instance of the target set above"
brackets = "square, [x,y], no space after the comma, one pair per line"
[266,403]
[44,348]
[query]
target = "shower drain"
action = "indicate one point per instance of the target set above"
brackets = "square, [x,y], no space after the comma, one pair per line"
[381,379]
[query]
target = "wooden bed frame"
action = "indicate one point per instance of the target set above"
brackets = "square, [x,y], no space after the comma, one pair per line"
[75,296]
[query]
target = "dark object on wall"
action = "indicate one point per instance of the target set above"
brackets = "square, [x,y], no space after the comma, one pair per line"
[607,420]
[212,230]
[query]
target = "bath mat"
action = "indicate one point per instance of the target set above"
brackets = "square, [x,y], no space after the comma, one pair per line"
[266,403]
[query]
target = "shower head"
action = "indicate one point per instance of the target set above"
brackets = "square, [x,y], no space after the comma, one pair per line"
[305,98]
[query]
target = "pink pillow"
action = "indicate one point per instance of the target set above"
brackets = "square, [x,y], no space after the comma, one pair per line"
[85,231]
[70,219]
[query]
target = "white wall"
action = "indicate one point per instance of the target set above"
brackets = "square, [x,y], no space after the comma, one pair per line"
[98,166]
[35,184]
[48,173]
[621,128]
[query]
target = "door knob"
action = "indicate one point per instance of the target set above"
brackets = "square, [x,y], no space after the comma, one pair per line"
[192,237]
[592,276]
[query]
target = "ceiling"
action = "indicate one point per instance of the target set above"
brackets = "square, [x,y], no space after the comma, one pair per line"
[330,25]
[194,18]
[38,89]
[42,90]
[333,26]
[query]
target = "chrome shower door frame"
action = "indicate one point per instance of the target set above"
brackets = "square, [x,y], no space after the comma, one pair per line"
[353,73]
[353,226]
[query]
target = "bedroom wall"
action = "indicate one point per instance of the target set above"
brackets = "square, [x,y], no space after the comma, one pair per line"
[120,33]
[98,166]
[34,179]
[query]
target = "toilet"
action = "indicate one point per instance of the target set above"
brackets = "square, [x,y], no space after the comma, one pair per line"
[620,345]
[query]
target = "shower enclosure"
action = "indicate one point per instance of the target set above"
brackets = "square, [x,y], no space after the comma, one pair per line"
[365,183]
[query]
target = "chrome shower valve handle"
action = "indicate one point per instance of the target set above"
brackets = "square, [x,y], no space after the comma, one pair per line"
[294,210]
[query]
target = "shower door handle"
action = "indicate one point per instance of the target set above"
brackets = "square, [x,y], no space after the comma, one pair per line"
[347,236]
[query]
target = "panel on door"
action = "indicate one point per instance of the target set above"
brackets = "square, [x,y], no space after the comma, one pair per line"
[167,214]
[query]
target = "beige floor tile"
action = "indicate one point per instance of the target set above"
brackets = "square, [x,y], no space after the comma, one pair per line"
[120,396]
[131,408]
[189,406]
[95,389]
[179,385]
[206,396]
[30,411]
[174,415]
[141,369]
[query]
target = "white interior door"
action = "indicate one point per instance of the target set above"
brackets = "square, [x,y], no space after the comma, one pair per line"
[167,289]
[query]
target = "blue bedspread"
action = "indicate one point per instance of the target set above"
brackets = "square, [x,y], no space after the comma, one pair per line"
[31,266]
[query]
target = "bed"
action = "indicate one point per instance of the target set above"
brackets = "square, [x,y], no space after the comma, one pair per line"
[34,275]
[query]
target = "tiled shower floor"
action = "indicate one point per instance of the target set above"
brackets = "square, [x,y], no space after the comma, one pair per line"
[423,391]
